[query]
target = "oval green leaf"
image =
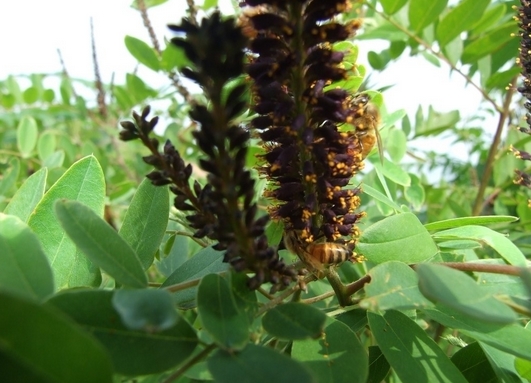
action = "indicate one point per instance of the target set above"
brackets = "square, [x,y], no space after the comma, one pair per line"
[10,177]
[294,321]
[83,182]
[474,365]
[25,268]
[146,220]
[46,145]
[148,310]
[465,221]
[457,290]
[392,6]
[219,315]
[393,172]
[132,352]
[40,342]
[27,133]
[142,52]
[394,285]
[338,357]
[424,12]
[413,355]
[396,145]
[399,237]
[100,243]
[489,43]
[257,364]
[205,262]
[513,338]
[28,195]
[499,242]
[460,19]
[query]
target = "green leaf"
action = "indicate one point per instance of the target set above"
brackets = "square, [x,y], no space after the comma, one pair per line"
[502,363]
[355,319]
[502,79]
[100,243]
[474,365]
[436,122]
[55,160]
[256,364]
[489,237]
[457,290]
[25,268]
[133,352]
[83,182]
[209,4]
[13,88]
[337,357]
[460,19]
[378,365]
[377,61]
[453,50]
[138,89]
[412,354]
[10,177]
[394,285]
[27,133]
[146,220]
[465,221]
[424,12]
[142,52]
[513,338]
[490,18]
[489,43]
[219,315]
[30,95]
[392,6]
[399,237]
[432,59]
[148,310]
[393,172]
[41,343]
[498,285]
[28,195]
[48,95]
[205,262]
[294,321]
[46,145]
[173,57]
[396,145]
[523,367]
[415,193]
[377,195]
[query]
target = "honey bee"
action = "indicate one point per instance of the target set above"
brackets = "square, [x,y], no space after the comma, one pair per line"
[366,121]
[317,255]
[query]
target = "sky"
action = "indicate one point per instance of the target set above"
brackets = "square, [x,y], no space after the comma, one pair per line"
[31,31]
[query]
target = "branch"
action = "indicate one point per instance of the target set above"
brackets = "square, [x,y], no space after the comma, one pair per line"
[172,75]
[100,98]
[504,114]
[483,268]
[190,363]
[439,55]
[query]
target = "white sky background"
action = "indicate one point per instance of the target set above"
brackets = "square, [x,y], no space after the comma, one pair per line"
[32,30]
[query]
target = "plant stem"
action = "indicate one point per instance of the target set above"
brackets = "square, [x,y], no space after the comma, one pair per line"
[190,363]
[504,114]
[483,268]
[439,55]
[339,288]
[277,300]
